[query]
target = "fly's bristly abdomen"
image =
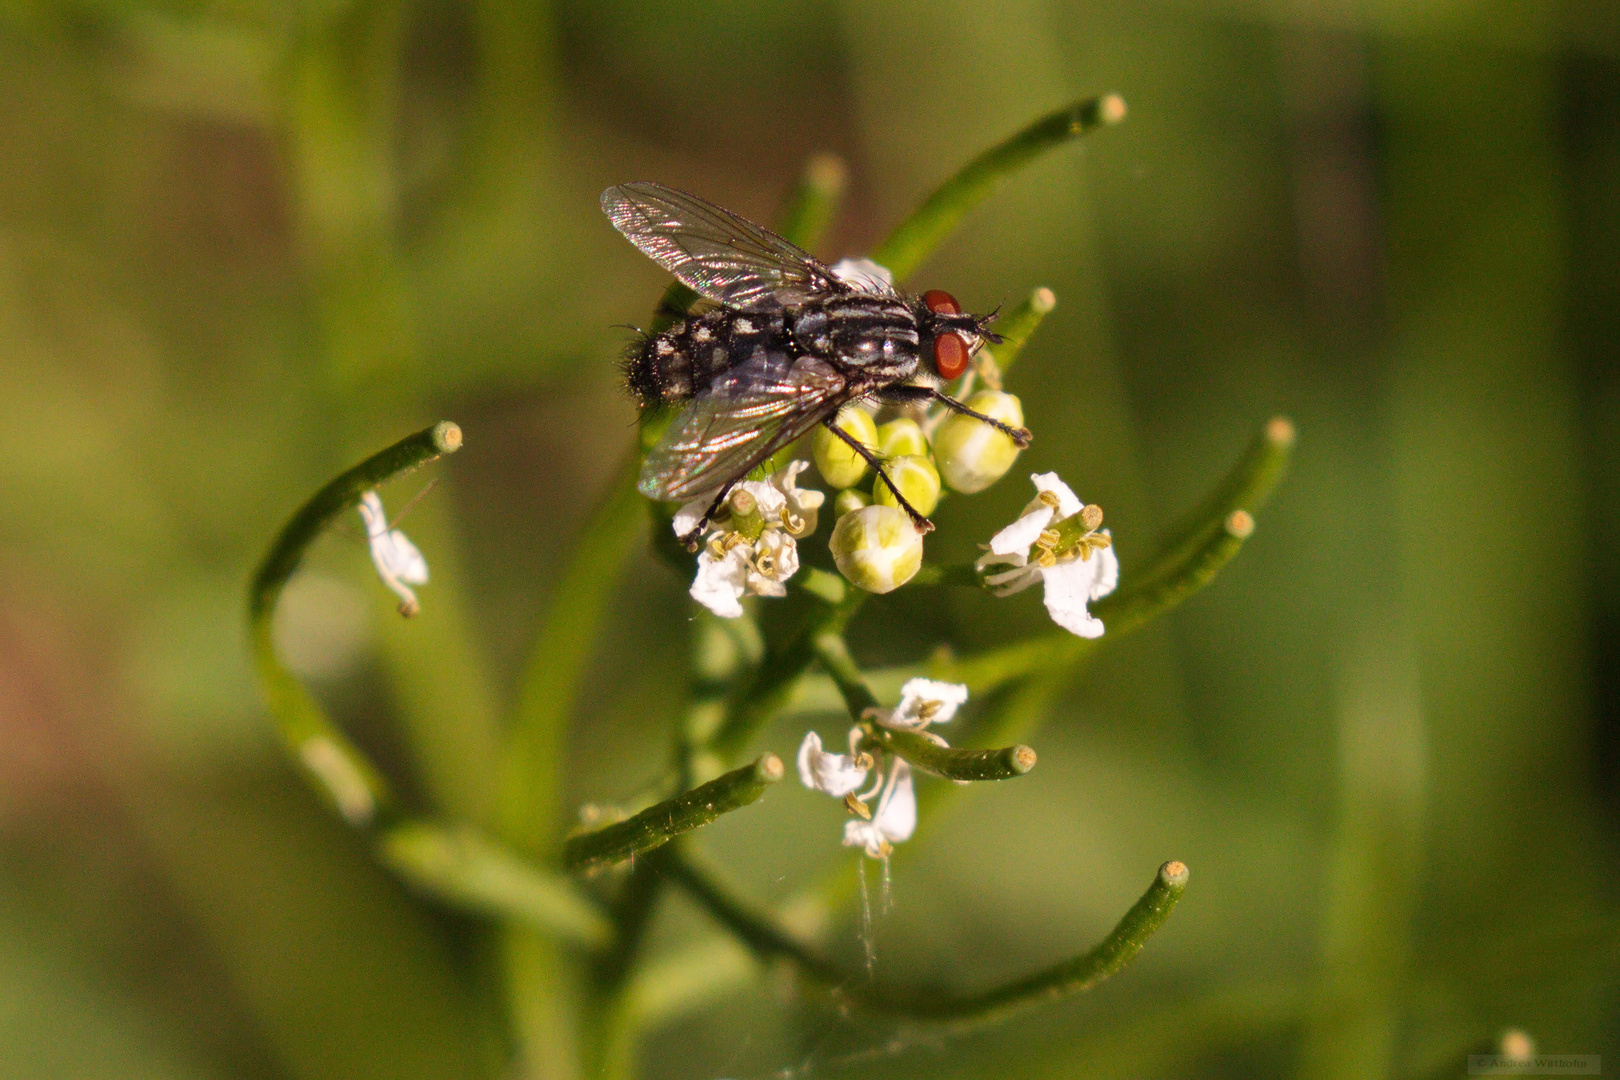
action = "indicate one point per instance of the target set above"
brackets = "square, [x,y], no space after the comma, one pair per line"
[683,361]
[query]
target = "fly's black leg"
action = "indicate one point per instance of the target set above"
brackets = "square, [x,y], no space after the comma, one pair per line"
[1021,436]
[691,538]
[922,523]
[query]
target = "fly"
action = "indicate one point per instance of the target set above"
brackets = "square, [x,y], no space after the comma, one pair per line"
[788,344]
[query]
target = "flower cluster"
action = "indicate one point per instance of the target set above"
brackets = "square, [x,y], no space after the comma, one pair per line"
[751,544]
[922,702]
[398,562]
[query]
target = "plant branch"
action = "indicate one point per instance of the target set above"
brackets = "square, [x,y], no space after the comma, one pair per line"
[467,870]
[918,235]
[758,928]
[772,685]
[657,825]
[1246,487]
[951,762]
[1016,326]
[814,202]
[334,765]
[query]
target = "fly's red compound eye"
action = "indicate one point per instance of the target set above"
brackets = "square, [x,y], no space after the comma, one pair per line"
[941,302]
[950,355]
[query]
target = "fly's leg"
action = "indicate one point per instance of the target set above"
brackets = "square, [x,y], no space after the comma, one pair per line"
[690,540]
[922,523]
[907,393]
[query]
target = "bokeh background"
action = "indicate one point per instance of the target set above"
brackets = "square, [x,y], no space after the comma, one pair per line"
[244,243]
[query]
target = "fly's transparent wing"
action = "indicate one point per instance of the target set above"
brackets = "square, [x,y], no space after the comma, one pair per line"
[721,256]
[746,415]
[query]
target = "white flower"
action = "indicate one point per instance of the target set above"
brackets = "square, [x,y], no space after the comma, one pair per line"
[752,548]
[894,820]
[1086,571]
[721,581]
[835,774]
[398,562]
[864,274]
[924,702]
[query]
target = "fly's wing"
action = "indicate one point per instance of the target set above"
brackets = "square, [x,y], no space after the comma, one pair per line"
[745,416]
[717,254]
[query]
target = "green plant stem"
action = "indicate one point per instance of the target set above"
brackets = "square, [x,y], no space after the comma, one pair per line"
[468,870]
[918,235]
[814,201]
[951,762]
[832,650]
[533,759]
[338,769]
[772,684]
[657,825]
[758,928]
[1016,326]
[1154,594]
[1246,487]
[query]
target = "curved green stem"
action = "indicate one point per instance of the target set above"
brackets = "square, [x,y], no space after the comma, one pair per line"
[1161,589]
[832,650]
[1017,325]
[814,201]
[951,762]
[335,765]
[556,665]
[918,235]
[658,825]
[1246,487]
[468,870]
[758,928]
[773,683]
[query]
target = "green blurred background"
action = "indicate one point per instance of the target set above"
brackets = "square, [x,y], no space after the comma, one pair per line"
[244,244]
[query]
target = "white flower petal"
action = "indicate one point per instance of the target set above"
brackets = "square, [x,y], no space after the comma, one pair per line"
[688,516]
[916,692]
[1068,588]
[371,511]
[720,583]
[397,560]
[835,774]
[1021,535]
[396,555]
[865,275]
[1069,504]
[1107,573]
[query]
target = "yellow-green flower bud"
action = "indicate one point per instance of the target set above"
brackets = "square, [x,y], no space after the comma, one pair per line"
[900,437]
[850,501]
[916,479]
[877,548]
[972,455]
[836,460]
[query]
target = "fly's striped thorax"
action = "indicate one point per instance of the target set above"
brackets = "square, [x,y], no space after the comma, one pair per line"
[875,334]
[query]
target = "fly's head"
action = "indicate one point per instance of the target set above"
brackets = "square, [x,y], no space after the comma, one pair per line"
[950,335]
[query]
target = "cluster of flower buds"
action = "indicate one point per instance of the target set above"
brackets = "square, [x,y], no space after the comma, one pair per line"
[875,543]
[751,542]
[877,828]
